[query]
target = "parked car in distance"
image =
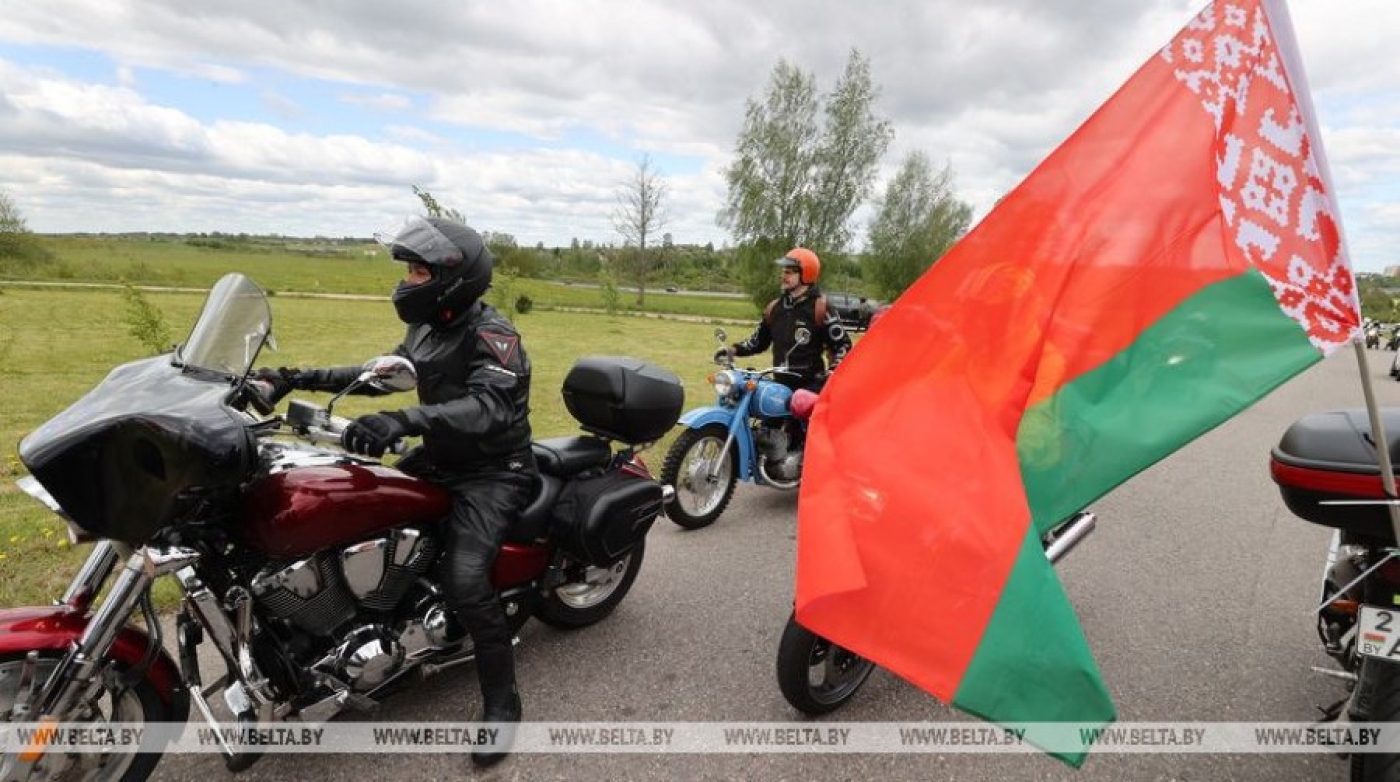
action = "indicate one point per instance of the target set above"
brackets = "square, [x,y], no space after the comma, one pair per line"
[879,310]
[853,310]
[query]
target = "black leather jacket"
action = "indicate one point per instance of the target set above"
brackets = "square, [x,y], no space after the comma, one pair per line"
[782,318]
[473,391]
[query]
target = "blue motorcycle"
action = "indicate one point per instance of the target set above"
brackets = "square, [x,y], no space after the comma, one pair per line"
[744,436]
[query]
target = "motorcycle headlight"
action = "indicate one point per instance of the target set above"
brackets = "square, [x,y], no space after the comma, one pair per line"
[29,485]
[724,383]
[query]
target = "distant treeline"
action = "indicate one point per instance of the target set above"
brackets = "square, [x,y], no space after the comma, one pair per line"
[685,266]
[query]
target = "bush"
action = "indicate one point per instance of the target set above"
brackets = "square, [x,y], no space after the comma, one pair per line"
[524,304]
[145,321]
[22,255]
[607,288]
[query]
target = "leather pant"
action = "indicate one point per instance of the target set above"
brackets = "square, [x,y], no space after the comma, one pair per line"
[483,509]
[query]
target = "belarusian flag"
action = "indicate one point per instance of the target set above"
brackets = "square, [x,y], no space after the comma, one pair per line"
[1173,261]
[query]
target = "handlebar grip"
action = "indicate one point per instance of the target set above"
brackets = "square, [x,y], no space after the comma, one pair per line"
[323,436]
[333,436]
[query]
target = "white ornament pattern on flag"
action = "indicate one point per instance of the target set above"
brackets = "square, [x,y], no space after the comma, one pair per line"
[1271,190]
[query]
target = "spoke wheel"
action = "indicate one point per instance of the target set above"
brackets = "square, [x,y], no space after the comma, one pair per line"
[139,704]
[703,474]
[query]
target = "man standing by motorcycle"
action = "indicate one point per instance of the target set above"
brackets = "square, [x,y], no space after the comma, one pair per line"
[800,304]
[474,395]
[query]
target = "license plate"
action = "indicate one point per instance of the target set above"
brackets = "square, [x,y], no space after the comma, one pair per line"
[1378,632]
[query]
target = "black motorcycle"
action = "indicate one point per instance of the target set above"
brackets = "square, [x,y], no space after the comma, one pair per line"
[817,676]
[1327,470]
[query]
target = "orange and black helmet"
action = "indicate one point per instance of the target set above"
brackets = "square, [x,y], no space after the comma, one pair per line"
[807,263]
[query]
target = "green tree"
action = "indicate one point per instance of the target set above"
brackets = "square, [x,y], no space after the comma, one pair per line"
[435,209]
[20,250]
[1377,304]
[11,221]
[607,287]
[144,321]
[916,221]
[797,179]
[639,215]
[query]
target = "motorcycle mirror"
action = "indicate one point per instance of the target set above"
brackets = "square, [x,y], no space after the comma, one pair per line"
[799,338]
[391,373]
[720,335]
[382,373]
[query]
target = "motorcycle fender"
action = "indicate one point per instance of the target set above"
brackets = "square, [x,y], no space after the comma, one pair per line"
[57,628]
[703,416]
[700,416]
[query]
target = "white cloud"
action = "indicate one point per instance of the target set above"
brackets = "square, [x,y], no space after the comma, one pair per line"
[384,101]
[532,118]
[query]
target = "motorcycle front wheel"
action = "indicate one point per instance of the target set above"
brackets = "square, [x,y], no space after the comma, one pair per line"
[591,592]
[140,704]
[815,675]
[703,474]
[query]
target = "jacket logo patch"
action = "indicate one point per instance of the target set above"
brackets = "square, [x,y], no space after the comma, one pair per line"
[502,346]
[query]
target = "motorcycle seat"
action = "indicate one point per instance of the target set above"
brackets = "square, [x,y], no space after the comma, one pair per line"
[568,456]
[534,521]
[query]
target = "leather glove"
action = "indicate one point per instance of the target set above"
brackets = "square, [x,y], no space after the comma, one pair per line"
[280,381]
[723,355]
[371,435]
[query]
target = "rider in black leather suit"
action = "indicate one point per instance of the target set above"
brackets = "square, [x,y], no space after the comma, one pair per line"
[799,305]
[474,401]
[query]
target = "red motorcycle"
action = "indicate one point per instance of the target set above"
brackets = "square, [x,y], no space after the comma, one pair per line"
[311,571]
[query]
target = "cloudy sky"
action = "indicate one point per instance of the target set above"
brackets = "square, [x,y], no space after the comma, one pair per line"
[316,117]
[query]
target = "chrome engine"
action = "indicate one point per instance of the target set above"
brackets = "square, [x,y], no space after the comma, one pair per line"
[322,595]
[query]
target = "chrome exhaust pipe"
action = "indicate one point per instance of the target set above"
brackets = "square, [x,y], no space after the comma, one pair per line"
[1069,534]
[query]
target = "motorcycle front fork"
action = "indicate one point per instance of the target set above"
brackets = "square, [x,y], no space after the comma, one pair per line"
[76,680]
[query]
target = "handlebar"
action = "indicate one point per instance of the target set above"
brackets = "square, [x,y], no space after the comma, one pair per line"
[315,425]
[333,431]
[760,372]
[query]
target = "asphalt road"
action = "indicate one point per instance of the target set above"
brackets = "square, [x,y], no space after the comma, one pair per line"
[1196,593]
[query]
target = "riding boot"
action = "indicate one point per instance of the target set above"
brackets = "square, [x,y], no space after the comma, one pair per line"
[500,701]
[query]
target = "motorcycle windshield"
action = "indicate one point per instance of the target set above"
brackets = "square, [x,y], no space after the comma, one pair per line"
[232,327]
[157,437]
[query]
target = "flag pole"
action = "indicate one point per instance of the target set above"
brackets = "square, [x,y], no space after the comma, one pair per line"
[1378,434]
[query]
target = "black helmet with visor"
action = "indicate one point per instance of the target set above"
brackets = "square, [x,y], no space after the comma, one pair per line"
[457,258]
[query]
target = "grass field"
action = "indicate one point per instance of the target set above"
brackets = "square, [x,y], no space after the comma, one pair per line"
[57,343]
[303,268]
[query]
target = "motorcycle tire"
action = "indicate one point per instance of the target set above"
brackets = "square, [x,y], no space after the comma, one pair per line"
[678,472]
[139,704]
[593,594]
[1384,706]
[815,675]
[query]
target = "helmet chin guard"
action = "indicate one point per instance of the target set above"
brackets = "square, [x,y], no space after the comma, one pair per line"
[458,259]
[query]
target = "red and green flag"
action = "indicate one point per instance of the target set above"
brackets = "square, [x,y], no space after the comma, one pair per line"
[1173,261]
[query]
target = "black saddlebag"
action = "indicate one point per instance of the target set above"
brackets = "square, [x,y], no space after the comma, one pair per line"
[1332,456]
[623,399]
[599,519]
